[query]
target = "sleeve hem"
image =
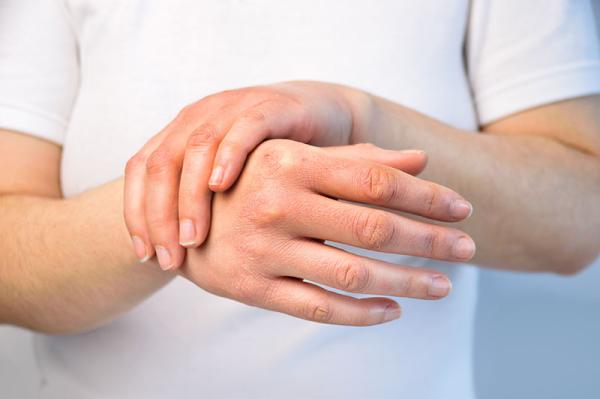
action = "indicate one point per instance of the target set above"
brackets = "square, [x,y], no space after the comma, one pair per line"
[545,87]
[31,122]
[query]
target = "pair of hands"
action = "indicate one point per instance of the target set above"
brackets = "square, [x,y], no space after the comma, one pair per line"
[267,235]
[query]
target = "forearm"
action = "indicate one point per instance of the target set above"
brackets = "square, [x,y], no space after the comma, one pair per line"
[535,199]
[67,264]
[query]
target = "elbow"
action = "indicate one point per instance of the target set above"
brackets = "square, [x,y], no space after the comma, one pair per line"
[43,328]
[57,328]
[573,263]
[564,251]
[32,321]
[64,327]
[564,260]
[572,268]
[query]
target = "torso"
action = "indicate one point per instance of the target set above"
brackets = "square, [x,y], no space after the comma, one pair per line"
[142,61]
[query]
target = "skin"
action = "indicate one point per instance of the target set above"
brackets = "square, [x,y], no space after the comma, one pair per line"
[267,239]
[540,212]
[69,266]
[169,181]
[62,258]
[544,163]
[552,146]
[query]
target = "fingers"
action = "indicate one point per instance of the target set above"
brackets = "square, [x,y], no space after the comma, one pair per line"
[310,302]
[194,194]
[376,184]
[177,195]
[378,230]
[263,121]
[162,186]
[151,184]
[349,272]
[409,161]
[135,198]
[134,208]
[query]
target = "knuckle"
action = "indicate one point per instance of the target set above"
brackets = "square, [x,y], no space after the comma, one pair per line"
[271,293]
[229,94]
[275,157]
[318,309]
[430,242]
[352,277]
[202,137]
[190,112]
[373,229]
[159,161]
[269,148]
[377,184]
[186,114]
[265,206]
[256,115]
[189,108]
[253,250]
[408,285]
[245,288]
[136,162]
[269,213]
[430,197]
[257,93]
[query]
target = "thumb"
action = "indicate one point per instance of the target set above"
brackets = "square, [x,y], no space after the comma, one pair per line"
[409,161]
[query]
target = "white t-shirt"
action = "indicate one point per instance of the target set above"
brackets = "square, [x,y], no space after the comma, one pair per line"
[101,77]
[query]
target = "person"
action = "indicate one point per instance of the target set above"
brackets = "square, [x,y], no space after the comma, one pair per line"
[91,91]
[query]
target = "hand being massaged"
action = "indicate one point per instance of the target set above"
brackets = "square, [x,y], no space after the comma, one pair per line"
[267,232]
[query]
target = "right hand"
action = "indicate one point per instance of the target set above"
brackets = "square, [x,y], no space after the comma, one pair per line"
[268,230]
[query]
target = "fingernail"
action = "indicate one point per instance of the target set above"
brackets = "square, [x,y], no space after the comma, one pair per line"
[460,209]
[391,312]
[464,248]
[187,232]
[164,257]
[216,177]
[140,249]
[440,286]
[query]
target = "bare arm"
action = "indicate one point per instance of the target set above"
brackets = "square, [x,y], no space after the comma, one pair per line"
[533,178]
[67,264]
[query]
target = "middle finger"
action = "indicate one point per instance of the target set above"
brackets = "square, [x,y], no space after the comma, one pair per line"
[375,229]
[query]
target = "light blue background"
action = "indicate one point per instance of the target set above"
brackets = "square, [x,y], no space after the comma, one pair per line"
[536,337]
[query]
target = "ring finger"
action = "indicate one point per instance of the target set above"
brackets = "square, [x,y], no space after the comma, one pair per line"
[342,270]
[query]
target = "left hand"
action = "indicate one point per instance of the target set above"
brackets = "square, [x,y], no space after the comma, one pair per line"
[266,242]
[168,182]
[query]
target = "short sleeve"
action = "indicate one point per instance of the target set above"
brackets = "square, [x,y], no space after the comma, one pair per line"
[38,68]
[522,54]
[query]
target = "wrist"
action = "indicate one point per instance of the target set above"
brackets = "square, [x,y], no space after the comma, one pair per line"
[363,110]
[377,121]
